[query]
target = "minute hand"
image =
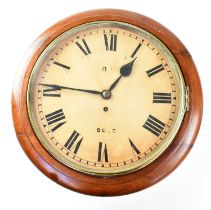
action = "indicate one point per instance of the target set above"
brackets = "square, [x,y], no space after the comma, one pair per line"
[125,71]
[59,87]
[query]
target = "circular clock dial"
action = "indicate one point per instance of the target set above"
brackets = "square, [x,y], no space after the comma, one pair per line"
[106,98]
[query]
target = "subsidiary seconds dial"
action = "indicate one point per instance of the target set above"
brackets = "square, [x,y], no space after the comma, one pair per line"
[106,98]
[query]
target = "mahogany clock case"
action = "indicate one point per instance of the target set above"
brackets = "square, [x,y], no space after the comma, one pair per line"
[126,183]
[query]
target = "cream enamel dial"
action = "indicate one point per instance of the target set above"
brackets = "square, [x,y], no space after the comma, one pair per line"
[106,98]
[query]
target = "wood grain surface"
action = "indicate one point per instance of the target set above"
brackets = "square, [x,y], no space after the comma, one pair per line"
[122,184]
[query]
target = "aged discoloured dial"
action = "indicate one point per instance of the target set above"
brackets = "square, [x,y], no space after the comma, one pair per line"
[106,98]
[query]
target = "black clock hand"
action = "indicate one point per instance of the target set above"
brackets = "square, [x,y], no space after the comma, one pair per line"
[125,71]
[69,88]
[115,83]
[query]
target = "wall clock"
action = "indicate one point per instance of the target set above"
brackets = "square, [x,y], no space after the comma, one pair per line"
[109,102]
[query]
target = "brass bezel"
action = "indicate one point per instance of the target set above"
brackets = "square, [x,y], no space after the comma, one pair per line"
[169,137]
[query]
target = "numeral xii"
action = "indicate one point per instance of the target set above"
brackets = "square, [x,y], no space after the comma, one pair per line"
[110,44]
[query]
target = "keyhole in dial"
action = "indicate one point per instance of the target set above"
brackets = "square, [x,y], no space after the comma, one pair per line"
[105,109]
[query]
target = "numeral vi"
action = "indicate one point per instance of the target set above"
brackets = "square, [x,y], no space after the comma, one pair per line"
[102,152]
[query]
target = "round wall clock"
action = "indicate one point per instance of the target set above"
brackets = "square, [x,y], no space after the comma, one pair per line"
[109,102]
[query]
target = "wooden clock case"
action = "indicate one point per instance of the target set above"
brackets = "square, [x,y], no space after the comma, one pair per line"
[121,184]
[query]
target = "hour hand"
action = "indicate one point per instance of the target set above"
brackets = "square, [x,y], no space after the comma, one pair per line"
[125,71]
[127,68]
[59,87]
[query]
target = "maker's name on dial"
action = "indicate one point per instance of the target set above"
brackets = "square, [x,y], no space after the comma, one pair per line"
[104,130]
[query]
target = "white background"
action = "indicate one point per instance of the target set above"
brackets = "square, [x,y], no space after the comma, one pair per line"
[23,186]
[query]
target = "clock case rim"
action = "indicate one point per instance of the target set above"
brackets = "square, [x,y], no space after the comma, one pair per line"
[125,183]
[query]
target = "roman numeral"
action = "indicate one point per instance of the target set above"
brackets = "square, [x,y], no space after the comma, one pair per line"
[136,50]
[162,98]
[154,125]
[52,92]
[102,152]
[55,119]
[112,43]
[74,142]
[85,49]
[134,148]
[61,65]
[155,70]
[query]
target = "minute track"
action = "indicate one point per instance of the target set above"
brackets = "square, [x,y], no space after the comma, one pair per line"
[99,151]
[103,150]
